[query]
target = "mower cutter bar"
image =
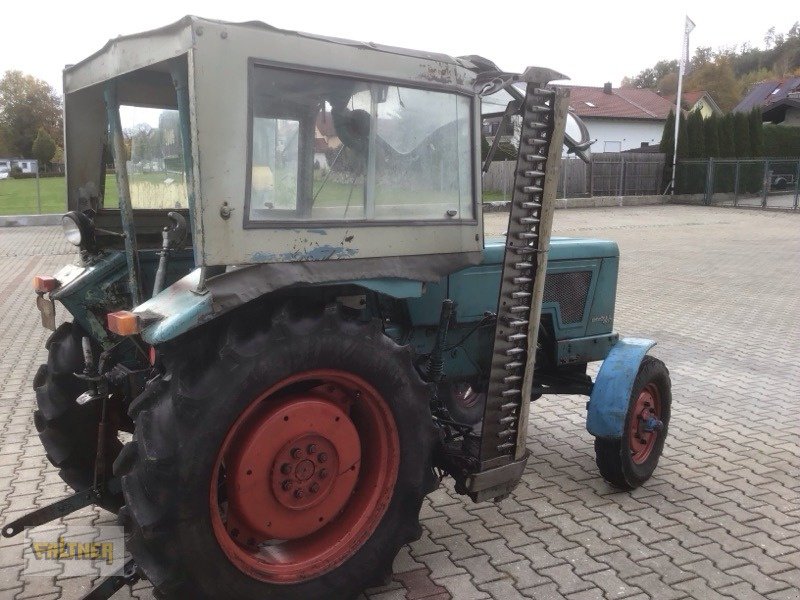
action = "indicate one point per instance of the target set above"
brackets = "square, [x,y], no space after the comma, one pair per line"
[504,425]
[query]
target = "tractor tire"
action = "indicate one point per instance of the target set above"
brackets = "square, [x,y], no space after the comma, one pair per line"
[68,431]
[464,402]
[628,462]
[228,450]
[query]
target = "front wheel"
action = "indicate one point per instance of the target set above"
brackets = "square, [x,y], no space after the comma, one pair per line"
[69,431]
[628,462]
[290,462]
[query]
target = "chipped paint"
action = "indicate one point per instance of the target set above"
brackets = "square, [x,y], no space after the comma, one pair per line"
[317,252]
[441,72]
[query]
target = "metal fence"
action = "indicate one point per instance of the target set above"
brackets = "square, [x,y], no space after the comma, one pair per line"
[608,174]
[760,183]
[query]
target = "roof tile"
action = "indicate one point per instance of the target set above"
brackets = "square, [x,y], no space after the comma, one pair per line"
[621,103]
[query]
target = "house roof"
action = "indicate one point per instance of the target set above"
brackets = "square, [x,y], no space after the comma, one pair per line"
[690,99]
[776,111]
[621,103]
[767,93]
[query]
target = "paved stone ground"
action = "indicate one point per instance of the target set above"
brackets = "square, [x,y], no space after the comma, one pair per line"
[718,288]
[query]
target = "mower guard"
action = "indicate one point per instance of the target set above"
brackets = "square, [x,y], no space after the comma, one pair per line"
[608,404]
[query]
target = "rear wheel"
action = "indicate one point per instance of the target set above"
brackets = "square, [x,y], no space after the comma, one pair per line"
[630,461]
[67,430]
[290,463]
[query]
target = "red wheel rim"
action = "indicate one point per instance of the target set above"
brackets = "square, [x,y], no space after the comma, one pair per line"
[641,437]
[304,476]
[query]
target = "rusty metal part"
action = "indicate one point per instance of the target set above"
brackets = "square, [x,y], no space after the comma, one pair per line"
[644,423]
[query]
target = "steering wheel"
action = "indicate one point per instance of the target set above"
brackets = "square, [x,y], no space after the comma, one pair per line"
[352,127]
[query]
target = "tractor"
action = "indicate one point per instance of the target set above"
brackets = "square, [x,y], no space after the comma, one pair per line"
[286,326]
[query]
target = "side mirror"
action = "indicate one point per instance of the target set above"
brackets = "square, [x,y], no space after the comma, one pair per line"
[576,138]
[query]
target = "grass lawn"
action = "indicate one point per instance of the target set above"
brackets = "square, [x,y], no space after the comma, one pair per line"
[18,196]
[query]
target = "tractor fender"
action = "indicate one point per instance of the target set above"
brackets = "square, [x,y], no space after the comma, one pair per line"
[608,404]
[180,307]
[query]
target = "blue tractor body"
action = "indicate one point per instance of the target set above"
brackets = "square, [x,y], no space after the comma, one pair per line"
[577,313]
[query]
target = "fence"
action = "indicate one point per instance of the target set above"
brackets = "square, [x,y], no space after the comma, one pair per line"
[608,174]
[764,183]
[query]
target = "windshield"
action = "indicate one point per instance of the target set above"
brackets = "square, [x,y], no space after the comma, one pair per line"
[156,169]
[334,148]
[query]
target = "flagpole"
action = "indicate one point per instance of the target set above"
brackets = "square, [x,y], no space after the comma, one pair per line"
[687,29]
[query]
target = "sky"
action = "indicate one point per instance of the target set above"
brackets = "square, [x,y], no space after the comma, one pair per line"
[592,42]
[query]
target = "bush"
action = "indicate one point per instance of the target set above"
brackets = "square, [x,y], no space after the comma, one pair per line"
[781,141]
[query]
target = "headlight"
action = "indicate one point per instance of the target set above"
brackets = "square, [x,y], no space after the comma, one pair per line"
[71,230]
[78,229]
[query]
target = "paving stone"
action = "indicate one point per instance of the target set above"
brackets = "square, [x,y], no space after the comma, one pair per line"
[720,517]
[762,583]
[523,574]
[565,578]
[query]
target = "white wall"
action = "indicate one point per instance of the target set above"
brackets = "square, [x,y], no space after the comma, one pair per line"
[629,133]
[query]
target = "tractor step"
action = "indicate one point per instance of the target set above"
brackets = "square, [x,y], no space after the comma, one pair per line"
[65,506]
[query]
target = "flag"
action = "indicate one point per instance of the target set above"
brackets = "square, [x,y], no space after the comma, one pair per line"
[688,28]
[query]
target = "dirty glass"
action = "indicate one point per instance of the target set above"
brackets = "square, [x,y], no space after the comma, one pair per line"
[356,150]
[423,152]
[156,169]
[274,172]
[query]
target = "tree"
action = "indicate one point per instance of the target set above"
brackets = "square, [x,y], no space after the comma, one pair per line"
[44,147]
[719,81]
[696,131]
[26,105]
[681,171]
[5,142]
[667,145]
[756,133]
[649,78]
[750,78]
[696,175]
[711,131]
[703,55]
[741,135]
[683,138]
[668,85]
[727,149]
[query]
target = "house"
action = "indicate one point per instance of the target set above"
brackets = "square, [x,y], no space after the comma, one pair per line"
[698,101]
[26,165]
[620,119]
[779,101]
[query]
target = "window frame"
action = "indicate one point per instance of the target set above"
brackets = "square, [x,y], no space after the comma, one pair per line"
[248,223]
